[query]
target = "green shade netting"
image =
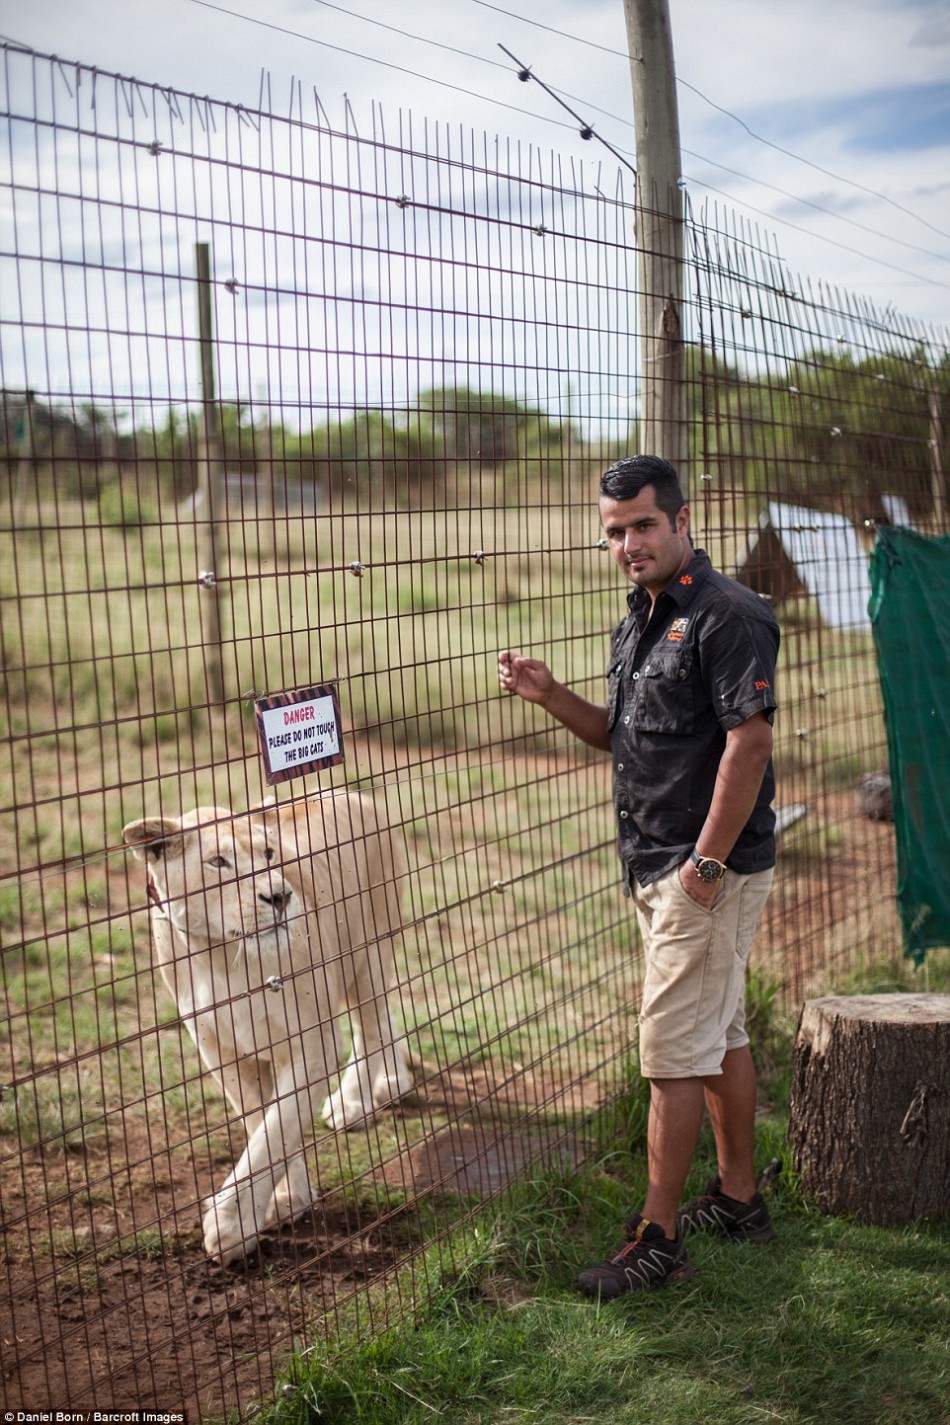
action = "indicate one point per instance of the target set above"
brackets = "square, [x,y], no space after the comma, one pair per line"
[910,618]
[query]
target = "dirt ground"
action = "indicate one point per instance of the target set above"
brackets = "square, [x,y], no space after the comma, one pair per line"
[176,1332]
[173,1331]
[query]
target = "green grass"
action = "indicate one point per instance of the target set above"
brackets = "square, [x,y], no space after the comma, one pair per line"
[833,1322]
[897,974]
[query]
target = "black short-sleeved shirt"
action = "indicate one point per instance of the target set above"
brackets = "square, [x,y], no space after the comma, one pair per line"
[677,683]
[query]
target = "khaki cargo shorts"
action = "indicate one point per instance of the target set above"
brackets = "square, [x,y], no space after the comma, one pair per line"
[693,1005]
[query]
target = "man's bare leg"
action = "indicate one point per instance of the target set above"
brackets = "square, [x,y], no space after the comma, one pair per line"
[731,1099]
[676,1116]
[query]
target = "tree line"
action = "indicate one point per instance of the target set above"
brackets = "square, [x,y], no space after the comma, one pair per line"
[827,430]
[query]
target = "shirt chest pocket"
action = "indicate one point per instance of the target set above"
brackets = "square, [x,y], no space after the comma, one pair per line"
[663,698]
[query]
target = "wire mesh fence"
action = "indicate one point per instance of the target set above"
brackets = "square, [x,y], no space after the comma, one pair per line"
[302,424]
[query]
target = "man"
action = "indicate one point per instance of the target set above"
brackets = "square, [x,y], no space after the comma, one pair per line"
[688,721]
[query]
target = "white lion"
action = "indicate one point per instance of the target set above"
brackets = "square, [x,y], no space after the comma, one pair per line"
[266,926]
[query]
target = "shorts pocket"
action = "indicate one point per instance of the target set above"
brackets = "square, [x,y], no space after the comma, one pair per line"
[709,911]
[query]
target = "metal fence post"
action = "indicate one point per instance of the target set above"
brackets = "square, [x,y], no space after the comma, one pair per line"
[210,495]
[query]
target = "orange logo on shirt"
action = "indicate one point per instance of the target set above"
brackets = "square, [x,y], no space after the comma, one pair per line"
[686,579]
[762,684]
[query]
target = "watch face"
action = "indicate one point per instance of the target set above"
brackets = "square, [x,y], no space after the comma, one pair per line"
[709,871]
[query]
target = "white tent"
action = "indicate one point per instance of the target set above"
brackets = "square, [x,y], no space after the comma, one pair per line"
[800,550]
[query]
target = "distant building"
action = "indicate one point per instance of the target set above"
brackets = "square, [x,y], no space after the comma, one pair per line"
[249,497]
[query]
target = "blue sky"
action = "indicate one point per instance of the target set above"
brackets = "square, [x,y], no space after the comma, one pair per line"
[894,121]
[900,119]
[854,90]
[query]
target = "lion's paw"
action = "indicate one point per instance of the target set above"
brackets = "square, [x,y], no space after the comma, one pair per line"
[293,1197]
[344,1110]
[223,1237]
[392,1084]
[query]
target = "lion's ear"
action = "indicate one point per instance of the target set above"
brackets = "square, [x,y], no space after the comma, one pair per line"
[154,838]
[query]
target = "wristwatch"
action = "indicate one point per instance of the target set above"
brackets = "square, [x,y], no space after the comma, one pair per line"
[707,867]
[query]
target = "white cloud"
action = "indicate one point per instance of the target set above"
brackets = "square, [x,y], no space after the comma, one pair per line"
[789,71]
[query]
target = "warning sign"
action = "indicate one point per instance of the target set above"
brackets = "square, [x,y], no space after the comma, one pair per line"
[299,732]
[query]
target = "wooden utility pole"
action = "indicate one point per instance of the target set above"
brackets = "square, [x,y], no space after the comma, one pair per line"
[209,491]
[663,425]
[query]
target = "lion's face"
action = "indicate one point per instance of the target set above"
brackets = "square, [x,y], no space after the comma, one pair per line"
[214,874]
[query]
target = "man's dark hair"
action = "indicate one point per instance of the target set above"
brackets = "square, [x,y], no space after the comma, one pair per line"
[625,480]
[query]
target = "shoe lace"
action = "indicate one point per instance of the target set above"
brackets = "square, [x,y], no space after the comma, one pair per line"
[633,1244]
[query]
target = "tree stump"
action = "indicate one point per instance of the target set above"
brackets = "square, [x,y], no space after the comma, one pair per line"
[869,1112]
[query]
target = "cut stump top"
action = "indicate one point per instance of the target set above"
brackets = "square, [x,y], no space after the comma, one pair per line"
[888,1009]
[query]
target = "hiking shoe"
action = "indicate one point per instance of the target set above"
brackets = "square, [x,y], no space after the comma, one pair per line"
[647,1259]
[714,1212]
